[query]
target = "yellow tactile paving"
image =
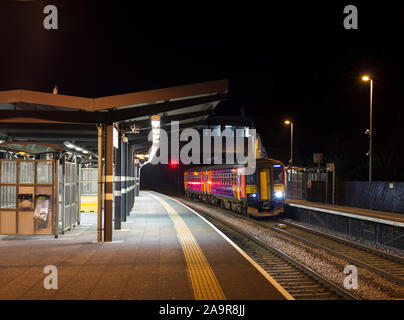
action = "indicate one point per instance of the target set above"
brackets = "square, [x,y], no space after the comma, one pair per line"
[204,281]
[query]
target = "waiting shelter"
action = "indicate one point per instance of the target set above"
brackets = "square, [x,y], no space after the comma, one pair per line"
[39,189]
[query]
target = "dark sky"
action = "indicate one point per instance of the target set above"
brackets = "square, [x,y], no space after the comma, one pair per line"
[293,60]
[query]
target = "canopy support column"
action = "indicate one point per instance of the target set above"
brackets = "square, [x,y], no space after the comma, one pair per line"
[117,192]
[109,160]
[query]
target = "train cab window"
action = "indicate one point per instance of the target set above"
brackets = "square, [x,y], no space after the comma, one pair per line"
[250,179]
[278,175]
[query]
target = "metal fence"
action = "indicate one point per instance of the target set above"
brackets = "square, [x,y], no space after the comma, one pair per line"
[89,182]
[89,189]
[373,232]
[384,196]
[71,212]
[296,185]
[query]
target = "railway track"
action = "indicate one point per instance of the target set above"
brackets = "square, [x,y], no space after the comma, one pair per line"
[386,265]
[300,281]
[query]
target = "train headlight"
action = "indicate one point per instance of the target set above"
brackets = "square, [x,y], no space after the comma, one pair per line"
[279,195]
[252,196]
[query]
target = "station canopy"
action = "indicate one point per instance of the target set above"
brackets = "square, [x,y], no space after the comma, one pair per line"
[56,119]
[31,148]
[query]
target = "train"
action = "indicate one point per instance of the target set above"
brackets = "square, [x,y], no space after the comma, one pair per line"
[260,194]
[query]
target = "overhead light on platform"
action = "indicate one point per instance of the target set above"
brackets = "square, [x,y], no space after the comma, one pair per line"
[69,145]
[73,147]
[155,122]
[141,156]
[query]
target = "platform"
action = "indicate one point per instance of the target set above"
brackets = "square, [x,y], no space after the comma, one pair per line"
[389,218]
[164,251]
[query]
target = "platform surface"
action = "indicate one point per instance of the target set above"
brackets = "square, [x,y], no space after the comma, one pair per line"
[392,218]
[164,251]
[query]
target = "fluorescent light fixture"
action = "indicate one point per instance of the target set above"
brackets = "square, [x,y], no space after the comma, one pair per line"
[116,138]
[72,146]
[69,144]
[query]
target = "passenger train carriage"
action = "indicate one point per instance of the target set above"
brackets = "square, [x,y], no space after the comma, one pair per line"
[260,194]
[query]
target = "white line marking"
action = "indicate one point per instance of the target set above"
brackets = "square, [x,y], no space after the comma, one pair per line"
[351,215]
[111,242]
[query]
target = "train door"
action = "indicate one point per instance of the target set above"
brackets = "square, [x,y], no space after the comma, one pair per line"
[265,184]
[205,182]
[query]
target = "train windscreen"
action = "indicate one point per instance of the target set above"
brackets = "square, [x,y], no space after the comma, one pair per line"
[278,175]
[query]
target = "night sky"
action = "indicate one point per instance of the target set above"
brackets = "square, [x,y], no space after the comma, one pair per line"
[286,61]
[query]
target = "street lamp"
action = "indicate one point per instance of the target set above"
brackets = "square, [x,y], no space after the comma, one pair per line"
[370,131]
[288,122]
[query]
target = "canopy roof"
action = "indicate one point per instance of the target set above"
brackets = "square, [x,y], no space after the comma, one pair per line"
[33,148]
[55,118]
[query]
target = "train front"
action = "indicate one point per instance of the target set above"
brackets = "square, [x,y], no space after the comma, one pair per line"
[265,189]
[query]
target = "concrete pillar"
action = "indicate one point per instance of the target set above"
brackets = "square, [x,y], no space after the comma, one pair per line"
[137,181]
[127,179]
[123,182]
[108,198]
[117,192]
[130,162]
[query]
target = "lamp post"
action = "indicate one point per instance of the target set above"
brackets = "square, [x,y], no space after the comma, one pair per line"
[370,131]
[288,122]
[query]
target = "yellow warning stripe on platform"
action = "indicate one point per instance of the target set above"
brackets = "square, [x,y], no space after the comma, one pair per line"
[204,281]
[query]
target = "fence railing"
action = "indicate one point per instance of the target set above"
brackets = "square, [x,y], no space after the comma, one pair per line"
[379,195]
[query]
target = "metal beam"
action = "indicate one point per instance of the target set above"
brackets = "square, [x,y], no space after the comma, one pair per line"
[28,116]
[143,136]
[131,113]
[165,120]
[52,116]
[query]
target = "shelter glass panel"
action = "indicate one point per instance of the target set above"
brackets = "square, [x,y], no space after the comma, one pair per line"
[44,172]
[9,171]
[26,172]
[8,197]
